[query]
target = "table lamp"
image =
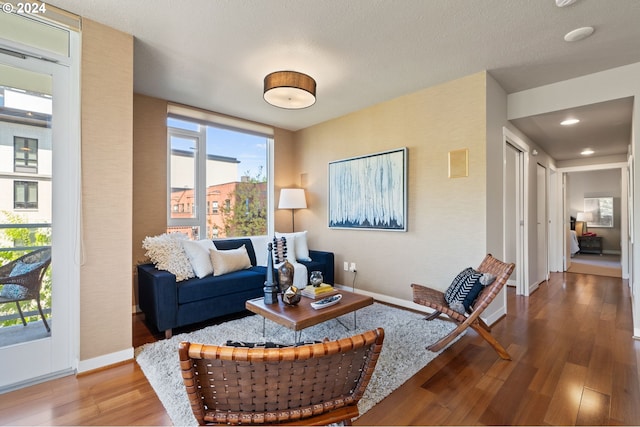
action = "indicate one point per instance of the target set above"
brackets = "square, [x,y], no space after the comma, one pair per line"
[583,218]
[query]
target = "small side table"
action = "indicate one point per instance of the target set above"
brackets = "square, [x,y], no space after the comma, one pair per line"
[590,244]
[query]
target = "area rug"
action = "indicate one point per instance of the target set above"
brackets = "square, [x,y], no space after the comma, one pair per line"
[403,352]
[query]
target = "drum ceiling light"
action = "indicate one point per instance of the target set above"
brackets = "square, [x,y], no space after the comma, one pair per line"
[289,89]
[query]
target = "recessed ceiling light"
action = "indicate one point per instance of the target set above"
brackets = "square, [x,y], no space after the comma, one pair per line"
[564,3]
[587,152]
[569,122]
[578,34]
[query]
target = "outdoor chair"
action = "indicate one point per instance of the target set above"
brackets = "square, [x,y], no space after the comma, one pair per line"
[312,384]
[434,299]
[27,272]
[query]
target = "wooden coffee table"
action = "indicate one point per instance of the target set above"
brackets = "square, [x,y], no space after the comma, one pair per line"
[302,315]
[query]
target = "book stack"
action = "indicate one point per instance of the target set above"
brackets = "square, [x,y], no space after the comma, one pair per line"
[313,292]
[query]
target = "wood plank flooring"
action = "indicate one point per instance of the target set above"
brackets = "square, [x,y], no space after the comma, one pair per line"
[574,363]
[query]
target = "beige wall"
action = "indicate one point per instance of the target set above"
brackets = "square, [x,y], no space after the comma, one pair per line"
[446,217]
[105,275]
[149,175]
[285,176]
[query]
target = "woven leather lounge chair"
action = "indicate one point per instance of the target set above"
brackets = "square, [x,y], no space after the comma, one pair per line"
[435,299]
[313,384]
[26,271]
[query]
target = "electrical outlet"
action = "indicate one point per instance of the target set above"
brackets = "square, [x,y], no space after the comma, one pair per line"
[352,267]
[346,266]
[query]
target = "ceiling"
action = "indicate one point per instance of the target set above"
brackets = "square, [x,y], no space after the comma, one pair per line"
[214,54]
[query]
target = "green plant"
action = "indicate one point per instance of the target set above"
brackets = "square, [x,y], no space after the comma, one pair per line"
[246,215]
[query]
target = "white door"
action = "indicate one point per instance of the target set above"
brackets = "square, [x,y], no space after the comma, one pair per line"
[542,270]
[38,164]
[514,215]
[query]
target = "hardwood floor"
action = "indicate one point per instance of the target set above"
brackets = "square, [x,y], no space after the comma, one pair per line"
[574,363]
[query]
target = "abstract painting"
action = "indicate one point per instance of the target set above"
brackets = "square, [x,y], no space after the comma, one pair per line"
[369,192]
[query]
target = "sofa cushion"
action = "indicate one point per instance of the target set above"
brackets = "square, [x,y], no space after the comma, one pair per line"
[166,253]
[221,286]
[198,254]
[226,244]
[230,260]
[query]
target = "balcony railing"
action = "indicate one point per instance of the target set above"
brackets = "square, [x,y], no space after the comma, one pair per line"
[27,226]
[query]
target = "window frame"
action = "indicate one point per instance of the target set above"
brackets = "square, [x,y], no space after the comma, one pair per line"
[204,119]
[26,185]
[25,167]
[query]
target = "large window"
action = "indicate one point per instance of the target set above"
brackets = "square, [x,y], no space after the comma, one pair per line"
[218,178]
[25,154]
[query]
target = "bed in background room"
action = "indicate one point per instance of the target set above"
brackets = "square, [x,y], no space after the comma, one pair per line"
[575,248]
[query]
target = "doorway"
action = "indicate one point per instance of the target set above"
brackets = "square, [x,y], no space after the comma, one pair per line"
[39,141]
[542,264]
[606,252]
[515,203]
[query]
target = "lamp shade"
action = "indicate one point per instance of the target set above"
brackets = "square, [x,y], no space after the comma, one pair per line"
[289,89]
[292,198]
[584,217]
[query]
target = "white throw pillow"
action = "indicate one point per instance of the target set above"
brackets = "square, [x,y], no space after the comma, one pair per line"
[261,249]
[296,245]
[230,260]
[166,253]
[198,254]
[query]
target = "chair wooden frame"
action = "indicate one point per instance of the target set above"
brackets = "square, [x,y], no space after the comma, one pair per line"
[434,299]
[32,280]
[314,384]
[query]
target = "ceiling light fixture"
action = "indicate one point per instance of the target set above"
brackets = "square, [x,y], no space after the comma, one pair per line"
[578,34]
[587,152]
[569,122]
[289,89]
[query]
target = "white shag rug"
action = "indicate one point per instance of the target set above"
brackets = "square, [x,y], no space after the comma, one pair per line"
[403,351]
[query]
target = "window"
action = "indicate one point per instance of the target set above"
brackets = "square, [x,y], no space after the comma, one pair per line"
[25,195]
[212,158]
[25,154]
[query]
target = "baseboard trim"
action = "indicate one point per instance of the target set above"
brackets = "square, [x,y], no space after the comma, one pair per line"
[105,360]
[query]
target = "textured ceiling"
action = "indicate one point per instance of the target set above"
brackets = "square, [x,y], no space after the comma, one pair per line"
[214,54]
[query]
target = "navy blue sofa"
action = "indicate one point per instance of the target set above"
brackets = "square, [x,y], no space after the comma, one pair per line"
[168,304]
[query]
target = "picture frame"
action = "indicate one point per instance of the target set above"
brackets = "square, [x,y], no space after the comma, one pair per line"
[601,209]
[369,192]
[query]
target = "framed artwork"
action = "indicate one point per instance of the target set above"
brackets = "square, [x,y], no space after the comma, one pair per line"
[369,192]
[601,209]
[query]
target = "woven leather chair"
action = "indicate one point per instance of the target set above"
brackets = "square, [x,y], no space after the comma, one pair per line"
[435,299]
[31,279]
[314,384]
